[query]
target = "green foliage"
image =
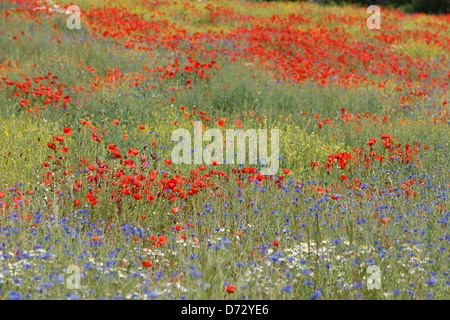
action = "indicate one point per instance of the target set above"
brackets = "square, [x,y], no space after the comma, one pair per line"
[425,6]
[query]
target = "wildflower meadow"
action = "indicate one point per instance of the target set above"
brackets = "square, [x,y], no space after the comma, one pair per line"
[223,150]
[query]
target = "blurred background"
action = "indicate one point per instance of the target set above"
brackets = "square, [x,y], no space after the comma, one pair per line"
[410,6]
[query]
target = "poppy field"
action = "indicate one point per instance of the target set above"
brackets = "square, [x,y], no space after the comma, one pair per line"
[93,205]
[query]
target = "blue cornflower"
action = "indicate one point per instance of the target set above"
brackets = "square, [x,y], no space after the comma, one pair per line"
[431,282]
[289,275]
[287,289]
[88,265]
[134,274]
[46,285]
[151,294]
[47,255]
[60,279]
[196,274]
[358,285]
[315,295]
[306,272]
[14,295]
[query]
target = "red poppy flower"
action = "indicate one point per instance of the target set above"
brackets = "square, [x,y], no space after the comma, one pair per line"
[385,220]
[64,149]
[112,147]
[67,131]
[117,154]
[129,163]
[96,137]
[230,288]
[132,152]
[147,264]
[162,240]
[51,146]
[275,243]
[371,142]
